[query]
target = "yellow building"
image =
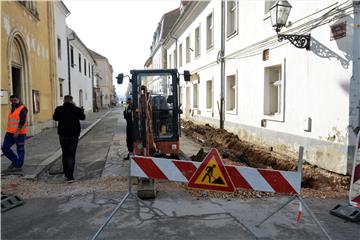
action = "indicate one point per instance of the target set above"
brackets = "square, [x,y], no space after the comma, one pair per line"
[28,60]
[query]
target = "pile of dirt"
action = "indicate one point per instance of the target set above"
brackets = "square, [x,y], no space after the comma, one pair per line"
[235,151]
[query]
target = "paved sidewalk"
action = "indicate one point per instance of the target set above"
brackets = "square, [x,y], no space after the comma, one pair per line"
[44,148]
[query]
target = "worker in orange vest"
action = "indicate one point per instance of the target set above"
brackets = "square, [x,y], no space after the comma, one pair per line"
[16,134]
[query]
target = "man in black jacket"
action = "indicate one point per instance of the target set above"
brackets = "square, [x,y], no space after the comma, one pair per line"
[128,115]
[69,129]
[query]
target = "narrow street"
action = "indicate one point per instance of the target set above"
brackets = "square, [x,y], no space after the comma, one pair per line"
[56,210]
[257,102]
[98,151]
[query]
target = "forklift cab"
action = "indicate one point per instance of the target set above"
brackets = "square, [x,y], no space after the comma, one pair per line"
[161,120]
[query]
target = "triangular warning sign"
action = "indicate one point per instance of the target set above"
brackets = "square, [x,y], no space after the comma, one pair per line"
[212,174]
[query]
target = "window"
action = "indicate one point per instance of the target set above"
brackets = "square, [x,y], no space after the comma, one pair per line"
[89,70]
[195,96]
[231,14]
[30,5]
[197,42]
[175,58]
[61,89]
[59,47]
[273,90]
[72,56]
[209,32]
[188,49]
[36,101]
[84,66]
[169,64]
[81,98]
[209,94]
[180,56]
[187,98]
[231,93]
[268,5]
[79,62]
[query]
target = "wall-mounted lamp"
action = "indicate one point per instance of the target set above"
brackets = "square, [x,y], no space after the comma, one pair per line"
[279,13]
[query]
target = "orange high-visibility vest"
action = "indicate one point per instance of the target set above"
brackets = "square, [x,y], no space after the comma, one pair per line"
[14,120]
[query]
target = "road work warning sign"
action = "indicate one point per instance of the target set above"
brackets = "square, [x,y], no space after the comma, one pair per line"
[212,174]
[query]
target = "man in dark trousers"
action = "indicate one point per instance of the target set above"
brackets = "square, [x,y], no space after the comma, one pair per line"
[68,116]
[128,115]
[15,134]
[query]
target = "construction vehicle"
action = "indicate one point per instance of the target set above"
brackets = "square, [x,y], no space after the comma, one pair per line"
[156,116]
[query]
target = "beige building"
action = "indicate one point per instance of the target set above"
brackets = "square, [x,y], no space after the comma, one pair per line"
[104,80]
[28,63]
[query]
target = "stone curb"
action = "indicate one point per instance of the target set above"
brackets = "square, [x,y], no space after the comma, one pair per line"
[45,164]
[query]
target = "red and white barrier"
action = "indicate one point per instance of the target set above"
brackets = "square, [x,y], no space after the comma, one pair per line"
[264,180]
[354,194]
[228,177]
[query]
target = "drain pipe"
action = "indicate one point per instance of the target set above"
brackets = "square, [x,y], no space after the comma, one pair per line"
[222,66]
[356,55]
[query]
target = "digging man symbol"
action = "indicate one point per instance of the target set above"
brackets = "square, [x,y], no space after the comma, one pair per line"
[209,173]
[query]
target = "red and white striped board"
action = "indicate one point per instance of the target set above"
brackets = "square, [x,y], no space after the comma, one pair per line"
[264,180]
[354,194]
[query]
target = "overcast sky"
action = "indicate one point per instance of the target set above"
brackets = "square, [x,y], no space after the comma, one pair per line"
[120,30]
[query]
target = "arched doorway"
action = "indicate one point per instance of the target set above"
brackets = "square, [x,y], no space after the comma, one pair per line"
[18,70]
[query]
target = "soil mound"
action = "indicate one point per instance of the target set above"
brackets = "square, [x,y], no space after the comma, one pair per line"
[238,152]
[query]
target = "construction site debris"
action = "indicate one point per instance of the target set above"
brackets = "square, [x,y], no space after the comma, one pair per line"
[28,189]
[316,182]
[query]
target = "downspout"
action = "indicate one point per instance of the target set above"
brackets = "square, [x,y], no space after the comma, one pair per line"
[222,66]
[178,83]
[356,56]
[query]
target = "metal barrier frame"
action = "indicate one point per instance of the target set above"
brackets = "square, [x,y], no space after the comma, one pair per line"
[127,195]
[299,198]
[296,196]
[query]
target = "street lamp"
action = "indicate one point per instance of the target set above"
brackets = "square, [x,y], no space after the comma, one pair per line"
[279,13]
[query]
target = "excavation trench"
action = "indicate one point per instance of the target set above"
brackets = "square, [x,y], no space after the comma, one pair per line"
[235,151]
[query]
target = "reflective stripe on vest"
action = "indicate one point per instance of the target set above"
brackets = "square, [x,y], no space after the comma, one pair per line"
[14,120]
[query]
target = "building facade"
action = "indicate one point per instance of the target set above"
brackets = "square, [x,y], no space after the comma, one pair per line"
[158,54]
[274,94]
[104,79]
[81,74]
[27,42]
[62,45]
[97,79]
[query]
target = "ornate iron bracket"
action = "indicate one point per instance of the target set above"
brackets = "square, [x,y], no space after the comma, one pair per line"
[299,41]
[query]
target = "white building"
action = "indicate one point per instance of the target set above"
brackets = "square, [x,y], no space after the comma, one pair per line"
[60,13]
[158,56]
[275,94]
[81,76]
